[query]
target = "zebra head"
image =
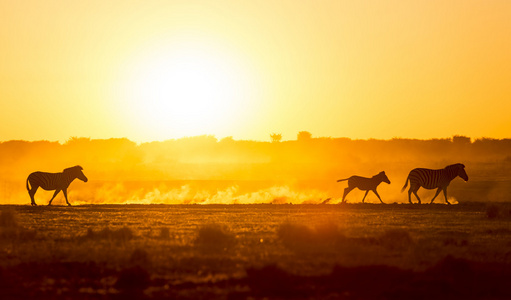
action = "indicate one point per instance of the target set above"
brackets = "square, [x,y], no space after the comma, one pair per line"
[384,177]
[461,172]
[76,171]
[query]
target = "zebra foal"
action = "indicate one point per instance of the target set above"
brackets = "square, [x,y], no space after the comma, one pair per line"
[365,184]
[433,179]
[54,181]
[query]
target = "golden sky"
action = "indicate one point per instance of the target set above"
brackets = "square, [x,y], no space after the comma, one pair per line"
[155,70]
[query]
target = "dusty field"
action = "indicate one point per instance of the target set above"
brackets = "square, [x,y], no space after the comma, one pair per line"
[353,251]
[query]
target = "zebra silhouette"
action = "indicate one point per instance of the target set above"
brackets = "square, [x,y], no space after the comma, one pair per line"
[365,184]
[433,179]
[54,181]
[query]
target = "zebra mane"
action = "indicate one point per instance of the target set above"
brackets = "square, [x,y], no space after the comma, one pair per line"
[458,165]
[77,167]
[381,174]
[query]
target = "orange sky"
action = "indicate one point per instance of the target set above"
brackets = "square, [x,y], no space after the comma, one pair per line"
[155,70]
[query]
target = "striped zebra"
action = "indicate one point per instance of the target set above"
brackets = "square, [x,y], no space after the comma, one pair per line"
[364,184]
[433,179]
[54,181]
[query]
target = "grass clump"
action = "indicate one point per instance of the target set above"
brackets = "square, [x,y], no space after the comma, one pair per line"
[123,234]
[396,239]
[214,237]
[10,230]
[139,257]
[301,237]
[492,211]
[132,281]
[8,219]
[164,233]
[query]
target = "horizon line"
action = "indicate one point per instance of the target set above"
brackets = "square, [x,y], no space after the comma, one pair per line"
[252,140]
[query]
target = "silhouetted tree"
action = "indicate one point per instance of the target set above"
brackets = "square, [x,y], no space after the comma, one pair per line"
[460,139]
[276,137]
[304,136]
[227,139]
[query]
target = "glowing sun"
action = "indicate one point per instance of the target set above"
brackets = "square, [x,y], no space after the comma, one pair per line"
[184,91]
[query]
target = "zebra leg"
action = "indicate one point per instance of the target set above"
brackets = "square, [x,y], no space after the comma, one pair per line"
[414,190]
[31,193]
[436,194]
[365,196]
[54,194]
[410,195]
[346,191]
[65,196]
[445,195]
[378,196]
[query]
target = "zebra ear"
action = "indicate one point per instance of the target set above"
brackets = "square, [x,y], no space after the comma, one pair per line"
[73,168]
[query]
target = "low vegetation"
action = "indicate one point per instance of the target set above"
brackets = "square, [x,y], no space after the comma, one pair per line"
[261,251]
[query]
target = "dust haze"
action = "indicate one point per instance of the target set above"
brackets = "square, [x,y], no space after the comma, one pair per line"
[206,170]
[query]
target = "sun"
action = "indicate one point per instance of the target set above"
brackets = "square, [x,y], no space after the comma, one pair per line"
[185,91]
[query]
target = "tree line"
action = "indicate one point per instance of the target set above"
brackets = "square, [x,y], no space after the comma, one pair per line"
[209,158]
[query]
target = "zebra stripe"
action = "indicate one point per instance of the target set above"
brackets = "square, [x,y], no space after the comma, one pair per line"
[364,184]
[53,181]
[433,179]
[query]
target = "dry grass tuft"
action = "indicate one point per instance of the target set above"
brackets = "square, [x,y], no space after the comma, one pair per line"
[396,239]
[492,211]
[214,237]
[133,280]
[164,233]
[302,238]
[10,230]
[8,219]
[123,234]
[139,257]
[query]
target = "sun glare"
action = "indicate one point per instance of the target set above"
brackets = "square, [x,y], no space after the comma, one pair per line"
[184,91]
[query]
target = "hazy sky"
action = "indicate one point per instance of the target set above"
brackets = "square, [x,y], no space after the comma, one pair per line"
[154,70]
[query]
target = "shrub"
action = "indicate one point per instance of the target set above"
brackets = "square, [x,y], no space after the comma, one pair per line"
[396,239]
[8,219]
[293,235]
[11,230]
[123,234]
[214,237]
[300,237]
[139,257]
[133,280]
[492,211]
[164,233]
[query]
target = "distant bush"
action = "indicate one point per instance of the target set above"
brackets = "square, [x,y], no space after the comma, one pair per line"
[133,280]
[492,211]
[139,257]
[295,234]
[396,239]
[8,219]
[123,234]
[458,242]
[300,237]
[214,237]
[10,230]
[164,233]
[17,234]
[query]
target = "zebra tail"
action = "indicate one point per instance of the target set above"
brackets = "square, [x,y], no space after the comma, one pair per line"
[342,180]
[406,184]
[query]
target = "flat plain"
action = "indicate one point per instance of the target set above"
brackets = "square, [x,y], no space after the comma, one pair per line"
[348,251]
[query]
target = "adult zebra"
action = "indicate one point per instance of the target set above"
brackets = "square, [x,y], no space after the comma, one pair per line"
[54,181]
[433,179]
[365,184]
